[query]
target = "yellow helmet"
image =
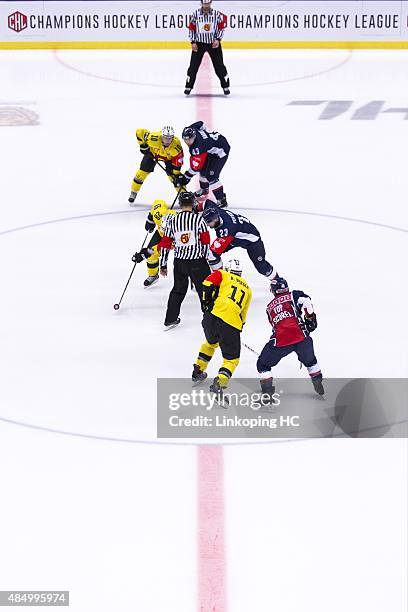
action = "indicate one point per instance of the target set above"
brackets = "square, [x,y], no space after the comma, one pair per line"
[159,209]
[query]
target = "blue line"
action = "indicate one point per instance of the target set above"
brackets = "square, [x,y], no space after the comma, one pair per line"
[324,215]
[145,207]
[63,219]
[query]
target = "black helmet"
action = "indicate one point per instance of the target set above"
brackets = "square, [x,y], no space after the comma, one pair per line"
[188,133]
[210,213]
[279,285]
[186,198]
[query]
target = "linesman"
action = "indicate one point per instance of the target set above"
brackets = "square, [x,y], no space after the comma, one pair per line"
[206,30]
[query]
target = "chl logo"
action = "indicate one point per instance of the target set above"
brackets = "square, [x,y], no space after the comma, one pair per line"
[17,21]
[185,238]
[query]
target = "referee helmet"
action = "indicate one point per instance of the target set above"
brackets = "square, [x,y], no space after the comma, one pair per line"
[186,198]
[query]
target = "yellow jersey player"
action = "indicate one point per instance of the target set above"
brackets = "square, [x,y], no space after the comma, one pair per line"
[226,298]
[157,146]
[156,220]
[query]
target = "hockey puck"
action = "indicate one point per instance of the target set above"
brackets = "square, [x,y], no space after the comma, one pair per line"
[116,306]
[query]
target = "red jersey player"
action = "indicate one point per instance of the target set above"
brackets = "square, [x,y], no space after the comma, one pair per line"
[292,318]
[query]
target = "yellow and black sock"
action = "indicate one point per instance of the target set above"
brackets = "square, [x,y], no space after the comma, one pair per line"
[205,355]
[226,371]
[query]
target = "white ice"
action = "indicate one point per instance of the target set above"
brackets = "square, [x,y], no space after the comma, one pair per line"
[310,525]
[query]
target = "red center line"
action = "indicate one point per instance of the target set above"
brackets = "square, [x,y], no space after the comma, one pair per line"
[212,589]
[203,87]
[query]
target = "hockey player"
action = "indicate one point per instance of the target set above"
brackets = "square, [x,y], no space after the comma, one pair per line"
[208,154]
[226,299]
[156,219]
[292,318]
[157,146]
[234,230]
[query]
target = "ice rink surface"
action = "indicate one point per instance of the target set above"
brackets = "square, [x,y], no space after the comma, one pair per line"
[309,525]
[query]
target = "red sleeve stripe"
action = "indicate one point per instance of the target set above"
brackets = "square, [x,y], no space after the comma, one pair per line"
[223,22]
[178,160]
[197,162]
[205,237]
[215,278]
[192,26]
[220,244]
[165,243]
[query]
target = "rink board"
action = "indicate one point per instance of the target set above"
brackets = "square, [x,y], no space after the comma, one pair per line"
[145,25]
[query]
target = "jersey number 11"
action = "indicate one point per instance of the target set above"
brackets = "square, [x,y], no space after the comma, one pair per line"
[234,295]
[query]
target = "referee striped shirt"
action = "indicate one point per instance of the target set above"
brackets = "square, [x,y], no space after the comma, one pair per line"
[188,232]
[207,27]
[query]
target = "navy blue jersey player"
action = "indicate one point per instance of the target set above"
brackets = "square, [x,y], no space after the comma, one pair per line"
[292,318]
[208,154]
[234,230]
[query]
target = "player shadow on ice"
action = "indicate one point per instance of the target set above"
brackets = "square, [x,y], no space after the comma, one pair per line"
[207,95]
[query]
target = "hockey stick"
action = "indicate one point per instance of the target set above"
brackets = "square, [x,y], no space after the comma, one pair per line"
[250,349]
[177,195]
[255,353]
[117,306]
[181,188]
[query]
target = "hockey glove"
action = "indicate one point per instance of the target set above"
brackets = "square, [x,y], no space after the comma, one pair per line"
[311,322]
[144,148]
[209,295]
[144,254]
[170,169]
[181,180]
[149,225]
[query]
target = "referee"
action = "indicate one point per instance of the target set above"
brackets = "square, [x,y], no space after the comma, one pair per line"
[189,235]
[206,30]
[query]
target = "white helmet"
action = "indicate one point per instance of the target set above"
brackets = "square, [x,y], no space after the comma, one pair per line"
[167,134]
[233,266]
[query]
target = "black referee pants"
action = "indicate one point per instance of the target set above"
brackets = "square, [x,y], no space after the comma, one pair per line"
[217,60]
[183,270]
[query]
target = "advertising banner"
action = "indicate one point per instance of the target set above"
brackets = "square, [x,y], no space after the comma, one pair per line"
[165,24]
